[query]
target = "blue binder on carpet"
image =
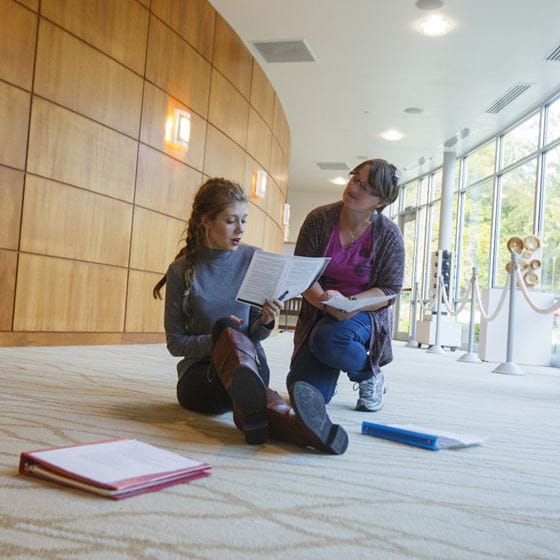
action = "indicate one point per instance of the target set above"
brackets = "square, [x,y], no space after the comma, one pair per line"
[418,436]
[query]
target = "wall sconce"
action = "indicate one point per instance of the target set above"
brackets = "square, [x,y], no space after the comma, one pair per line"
[286,219]
[259,183]
[178,129]
[286,232]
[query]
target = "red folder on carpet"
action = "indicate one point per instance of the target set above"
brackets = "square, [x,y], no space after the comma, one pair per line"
[116,468]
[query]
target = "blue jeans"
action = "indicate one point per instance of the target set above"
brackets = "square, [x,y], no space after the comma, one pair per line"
[331,347]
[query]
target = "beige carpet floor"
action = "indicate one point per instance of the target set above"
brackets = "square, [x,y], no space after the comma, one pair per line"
[381,500]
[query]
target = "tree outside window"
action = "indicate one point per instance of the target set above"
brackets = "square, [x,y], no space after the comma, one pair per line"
[521,141]
[477,225]
[517,203]
[553,126]
[435,191]
[480,164]
[551,226]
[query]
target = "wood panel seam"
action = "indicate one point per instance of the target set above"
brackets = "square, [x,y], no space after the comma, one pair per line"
[136,174]
[25,164]
[41,16]
[11,84]
[180,36]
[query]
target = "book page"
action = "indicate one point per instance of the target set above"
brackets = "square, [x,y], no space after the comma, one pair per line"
[302,274]
[273,276]
[262,279]
[348,305]
[113,461]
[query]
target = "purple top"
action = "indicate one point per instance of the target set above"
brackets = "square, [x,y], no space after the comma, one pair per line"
[350,268]
[387,254]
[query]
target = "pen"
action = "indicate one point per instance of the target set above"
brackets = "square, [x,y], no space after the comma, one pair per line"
[283,295]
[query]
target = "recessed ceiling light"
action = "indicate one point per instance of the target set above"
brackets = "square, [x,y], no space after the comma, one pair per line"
[392,135]
[435,26]
[339,181]
[414,110]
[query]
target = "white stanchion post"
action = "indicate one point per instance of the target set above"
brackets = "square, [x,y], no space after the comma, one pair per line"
[470,356]
[436,348]
[509,367]
[412,342]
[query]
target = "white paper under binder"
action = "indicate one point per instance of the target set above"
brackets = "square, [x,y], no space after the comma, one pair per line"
[428,438]
[282,277]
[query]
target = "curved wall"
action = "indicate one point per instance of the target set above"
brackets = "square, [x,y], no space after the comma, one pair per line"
[93,200]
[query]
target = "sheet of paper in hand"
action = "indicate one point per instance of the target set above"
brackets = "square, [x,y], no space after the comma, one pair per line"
[273,276]
[348,304]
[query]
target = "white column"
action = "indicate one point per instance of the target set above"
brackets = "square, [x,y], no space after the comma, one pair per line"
[446,206]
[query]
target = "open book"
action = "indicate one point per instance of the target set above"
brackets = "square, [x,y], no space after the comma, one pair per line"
[419,436]
[116,468]
[349,304]
[273,276]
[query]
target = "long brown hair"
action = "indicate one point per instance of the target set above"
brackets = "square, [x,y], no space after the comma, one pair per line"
[214,196]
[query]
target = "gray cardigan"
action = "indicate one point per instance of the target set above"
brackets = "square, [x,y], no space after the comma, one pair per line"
[387,253]
[189,318]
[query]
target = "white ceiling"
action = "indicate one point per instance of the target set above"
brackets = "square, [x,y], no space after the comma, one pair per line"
[372,64]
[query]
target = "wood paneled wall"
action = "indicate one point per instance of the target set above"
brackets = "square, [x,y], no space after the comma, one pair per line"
[93,200]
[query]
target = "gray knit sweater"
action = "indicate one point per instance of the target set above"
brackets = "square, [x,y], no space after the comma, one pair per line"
[189,319]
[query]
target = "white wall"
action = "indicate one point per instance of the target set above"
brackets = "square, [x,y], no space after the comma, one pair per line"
[301,203]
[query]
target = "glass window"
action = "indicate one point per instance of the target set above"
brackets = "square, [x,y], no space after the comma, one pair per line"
[433,239]
[521,141]
[435,191]
[477,225]
[409,236]
[517,203]
[550,277]
[410,194]
[553,124]
[423,191]
[434,236]
[480,163]
[421,236]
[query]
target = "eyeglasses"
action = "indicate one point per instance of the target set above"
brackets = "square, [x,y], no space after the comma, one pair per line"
[364,186]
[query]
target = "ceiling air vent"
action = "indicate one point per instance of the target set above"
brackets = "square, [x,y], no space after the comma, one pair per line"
[332,166]
[554,54]
[461,135]
[417,163]
[507,98]
[284,51]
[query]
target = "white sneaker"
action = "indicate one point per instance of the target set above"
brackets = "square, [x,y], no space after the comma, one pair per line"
[372,394]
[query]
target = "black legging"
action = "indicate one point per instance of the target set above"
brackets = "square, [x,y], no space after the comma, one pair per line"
[200,388]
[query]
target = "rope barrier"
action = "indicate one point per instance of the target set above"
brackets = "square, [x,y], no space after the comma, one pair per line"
[483,311]
[464,300]
[543,311]
[427,305]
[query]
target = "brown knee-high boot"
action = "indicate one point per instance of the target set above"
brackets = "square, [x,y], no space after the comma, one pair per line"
[235,359]
[307,424]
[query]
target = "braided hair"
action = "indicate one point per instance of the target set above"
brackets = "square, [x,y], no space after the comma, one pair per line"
[213,197]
